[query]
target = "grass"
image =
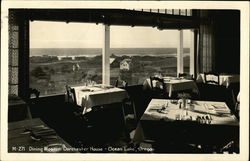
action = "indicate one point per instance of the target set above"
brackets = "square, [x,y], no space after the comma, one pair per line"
[56,74]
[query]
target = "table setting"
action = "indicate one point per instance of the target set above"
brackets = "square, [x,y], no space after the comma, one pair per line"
[168,118]
[196,111]
[31,133]
[98,94]
[173,84]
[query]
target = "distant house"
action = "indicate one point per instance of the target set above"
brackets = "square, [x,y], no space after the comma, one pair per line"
[125,64]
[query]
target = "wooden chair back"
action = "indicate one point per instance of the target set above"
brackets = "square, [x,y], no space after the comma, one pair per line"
[121,83]
[33,91]
[71,96]
[159,80]
[212,78]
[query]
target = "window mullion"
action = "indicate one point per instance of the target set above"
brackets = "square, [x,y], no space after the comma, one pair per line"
[192,56]
[106,55]
[180,53]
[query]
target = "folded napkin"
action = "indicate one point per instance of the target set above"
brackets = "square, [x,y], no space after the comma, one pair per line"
[44,132]
[219,107]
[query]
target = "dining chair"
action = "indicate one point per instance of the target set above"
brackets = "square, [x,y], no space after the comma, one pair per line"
[121,83]
[128,109]
[33,100]
[33,91]
[158,89]
[235,87]
[71,99]
[71,96]
[85,123]
[212,78]
[129,116]
[81,133]
[237,106]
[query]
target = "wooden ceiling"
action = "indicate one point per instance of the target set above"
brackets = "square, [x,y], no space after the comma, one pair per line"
[111,17]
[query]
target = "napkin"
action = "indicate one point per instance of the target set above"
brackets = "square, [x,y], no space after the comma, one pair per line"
[221,109]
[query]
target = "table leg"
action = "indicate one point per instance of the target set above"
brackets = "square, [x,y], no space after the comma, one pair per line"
[170,91]
[123,114]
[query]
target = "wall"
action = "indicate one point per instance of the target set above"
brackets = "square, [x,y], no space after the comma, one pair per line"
[227,41]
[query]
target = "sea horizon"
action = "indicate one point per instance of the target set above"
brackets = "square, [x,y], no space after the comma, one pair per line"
[98,51]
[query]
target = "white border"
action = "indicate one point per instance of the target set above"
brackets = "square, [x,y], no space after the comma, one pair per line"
[244,77]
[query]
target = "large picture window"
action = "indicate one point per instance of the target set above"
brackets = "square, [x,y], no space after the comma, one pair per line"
[64,53]
[140,52]
[71,53]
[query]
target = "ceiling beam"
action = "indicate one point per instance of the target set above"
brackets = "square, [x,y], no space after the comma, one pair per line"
[112,17]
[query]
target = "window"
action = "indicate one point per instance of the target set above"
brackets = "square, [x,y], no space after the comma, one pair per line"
[140,52]
[71,53]
[64,53]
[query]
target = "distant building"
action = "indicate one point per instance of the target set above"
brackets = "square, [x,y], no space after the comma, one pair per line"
[66,57]
[125,64]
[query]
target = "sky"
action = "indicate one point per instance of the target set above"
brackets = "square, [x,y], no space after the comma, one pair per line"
[44,34]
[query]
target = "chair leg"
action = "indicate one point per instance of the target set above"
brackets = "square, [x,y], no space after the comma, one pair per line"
[135,115]
[123,113]
[127,135]
[28,113]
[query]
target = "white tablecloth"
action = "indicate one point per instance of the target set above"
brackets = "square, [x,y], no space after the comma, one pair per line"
[173,84]
[225,79]
[219,113]
[90,96]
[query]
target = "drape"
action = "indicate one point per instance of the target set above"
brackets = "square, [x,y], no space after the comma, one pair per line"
[206,46]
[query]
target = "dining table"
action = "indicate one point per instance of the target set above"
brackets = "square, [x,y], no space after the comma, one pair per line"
[98,95]
[173,84]
[225,79]
[34,136]
[208,122]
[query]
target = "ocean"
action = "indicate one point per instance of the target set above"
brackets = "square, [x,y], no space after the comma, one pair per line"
[97,51]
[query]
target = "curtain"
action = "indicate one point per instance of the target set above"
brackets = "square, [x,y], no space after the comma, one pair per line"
[206,46]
